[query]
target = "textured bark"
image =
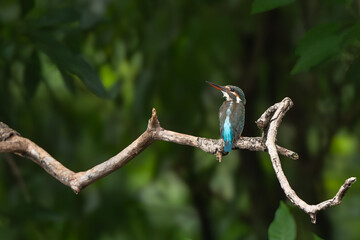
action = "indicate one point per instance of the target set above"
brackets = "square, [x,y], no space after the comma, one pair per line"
[269,122]
[273,116]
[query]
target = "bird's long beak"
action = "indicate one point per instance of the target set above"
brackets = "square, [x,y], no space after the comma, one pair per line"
[221,88]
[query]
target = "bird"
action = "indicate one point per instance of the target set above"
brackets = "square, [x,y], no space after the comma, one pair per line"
[231,114]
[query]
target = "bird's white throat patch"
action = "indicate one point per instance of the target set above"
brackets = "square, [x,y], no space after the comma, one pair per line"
[228,98]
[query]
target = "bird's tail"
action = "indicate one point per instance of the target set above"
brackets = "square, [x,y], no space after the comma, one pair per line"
[228,139]
[228,146]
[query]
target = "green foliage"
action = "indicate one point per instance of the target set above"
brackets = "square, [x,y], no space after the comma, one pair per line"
[26,6]
[266,5]
[283,227]
[318,44]
[57,18]
[316,237]
[32,73]
[343,143]
[323,42]
[136,55]
[67,62]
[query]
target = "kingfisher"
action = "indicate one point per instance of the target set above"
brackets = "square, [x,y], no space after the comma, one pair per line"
[231,114]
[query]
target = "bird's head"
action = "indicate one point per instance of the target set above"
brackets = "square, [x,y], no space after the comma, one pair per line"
[231,93]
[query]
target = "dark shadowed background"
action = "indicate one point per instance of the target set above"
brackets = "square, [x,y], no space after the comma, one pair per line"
[80,78]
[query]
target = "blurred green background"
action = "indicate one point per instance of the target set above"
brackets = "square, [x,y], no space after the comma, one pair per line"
[80,78]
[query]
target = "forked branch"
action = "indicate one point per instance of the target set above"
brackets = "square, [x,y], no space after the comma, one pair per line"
[270,121]
[11,141]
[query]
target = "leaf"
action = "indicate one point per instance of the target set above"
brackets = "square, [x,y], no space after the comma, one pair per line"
[323,42]
[316,237]
[266,5]
[353,73]
[26,6]
[351,34]
[58,17]
[32,74]
[319,44]
[67,62]
[69,81]
[283,227]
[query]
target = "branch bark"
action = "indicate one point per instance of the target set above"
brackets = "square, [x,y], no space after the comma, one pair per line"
[273,116]
[11,141]
[269,122]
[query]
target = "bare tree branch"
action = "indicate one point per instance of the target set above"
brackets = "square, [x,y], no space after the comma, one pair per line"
[11,141]
[274,121]
[269,122]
